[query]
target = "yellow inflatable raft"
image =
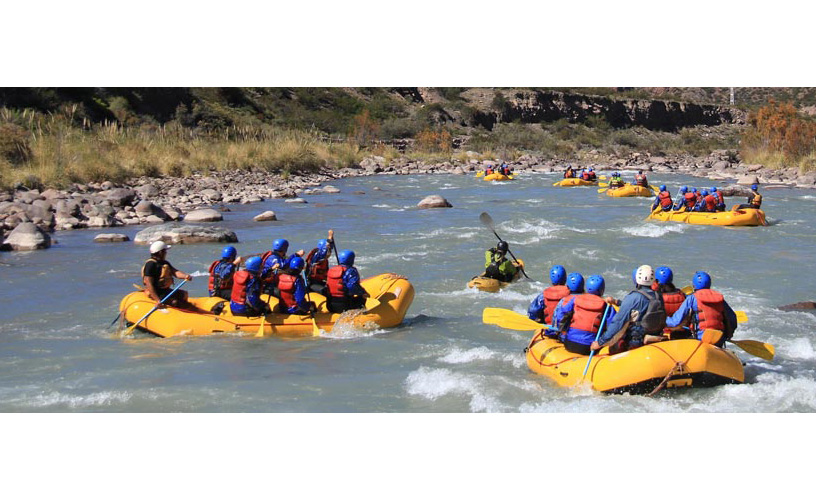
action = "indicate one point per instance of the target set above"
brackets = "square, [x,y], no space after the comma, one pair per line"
[575,181]
[733,217]
[680,363]
[393,296]
[490,284]
[498,177]
[630,190]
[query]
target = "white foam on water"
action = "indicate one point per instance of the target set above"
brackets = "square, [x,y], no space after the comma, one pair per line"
[458,356]
[344,327]
[799,348]
[104,398]
[370,259]
[807,197]
[199,273]
[397,210]
[653,230]
[434,383]
[463,233]
[381,206]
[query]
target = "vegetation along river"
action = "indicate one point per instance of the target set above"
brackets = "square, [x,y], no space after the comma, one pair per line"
[57,352]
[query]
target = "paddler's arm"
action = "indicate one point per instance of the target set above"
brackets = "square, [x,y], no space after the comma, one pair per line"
[629,302]
[680,315]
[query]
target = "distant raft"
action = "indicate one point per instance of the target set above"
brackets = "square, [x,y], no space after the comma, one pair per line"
[630,190]
[393,295]
[575,181]
[498,177]
[493,285]
[674,363]
[733,217]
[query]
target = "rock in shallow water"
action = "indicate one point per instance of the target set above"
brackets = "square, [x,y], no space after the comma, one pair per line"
[434,201]
[204,215]
[110,237]
[178,233]
[27,236]
[266,216]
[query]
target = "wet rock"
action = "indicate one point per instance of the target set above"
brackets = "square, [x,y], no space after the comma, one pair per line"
[798,306]
[27,236]
[110,237]
[269,215]
[295,200]
[147,191]
[210,194]
[747,180]
[434,201]
[101,221]
[146,208]
[119,197]
[330,190]
[179,233]
[204,215]
[153,219]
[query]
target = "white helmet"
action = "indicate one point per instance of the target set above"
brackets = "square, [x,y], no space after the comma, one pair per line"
[158,246]
[645,275]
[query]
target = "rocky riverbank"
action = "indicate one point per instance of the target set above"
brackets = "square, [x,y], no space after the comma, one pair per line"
[199,198]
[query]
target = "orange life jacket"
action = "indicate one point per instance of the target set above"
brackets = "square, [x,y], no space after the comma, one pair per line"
[551,297]
[488,171]
[165,275]
[585,176]
[223,284]
[756,200]
[334,281]
[239,282]
[672,301]
[286,285]
[710,203]
[665,199]
[319,270]
[720,198]
[710,310]
[689,200]
[589,309]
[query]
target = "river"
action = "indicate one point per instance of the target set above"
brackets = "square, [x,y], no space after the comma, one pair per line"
[58,354]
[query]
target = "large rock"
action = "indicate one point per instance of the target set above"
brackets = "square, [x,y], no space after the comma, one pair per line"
[434,201]
[110,237]
[295,200]
[203,215]
[799,306]
[147,208]
[119,197]
[211,194]
[147,191]
[330,190]
[27,236]
[747,180]
[266,216]
[178,233]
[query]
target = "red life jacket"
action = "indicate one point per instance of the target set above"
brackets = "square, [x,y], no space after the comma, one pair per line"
[697,197]
[720,198]
[319,270]
[710,310]
[224,284]
[488,171]
[585,176]
[640,180]
[239,283]
[286,285]
[589,309]
[334,281]
[710,203]
[665,199]
[672,301]
[689,199]
[551,297]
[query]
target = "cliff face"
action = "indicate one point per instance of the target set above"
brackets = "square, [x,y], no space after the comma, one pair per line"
[547,106]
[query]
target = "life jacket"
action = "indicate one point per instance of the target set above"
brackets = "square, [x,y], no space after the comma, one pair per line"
[334,281]
[551,297]
[720,198]
[272,277]
[165,275]
[569,174]
[319,270]
[585,176]
[616,181]
[710,310]
[640,180]
[672,301]
[286,285]
[239,287]
[488,171]
[665,200]
[689,200]
[698,197]
[220,276]
[710,203]
[589,309]
[755,200]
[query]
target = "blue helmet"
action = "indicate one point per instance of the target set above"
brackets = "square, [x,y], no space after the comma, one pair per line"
[754,187]
[575,283]
[346,258]
[693,190]
[595,285]
[714,189]
[701,280]
[684,189]
[296,263]
[322,244]
[253,264]
[664,275]
[662,187]
[704,192]
[280,245]
[229,253]
[558,275]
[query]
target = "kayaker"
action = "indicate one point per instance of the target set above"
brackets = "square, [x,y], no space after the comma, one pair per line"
[273,262]
[221,273]
[754,199]
[681,197]
[569,174]
[649,315]
[499,267]
[575,287]
[158,274]
[720,199]
[709,203]
[317,265]
[705,309]
[542,307]
[664,284]
[246,290]
[345,291]
[663,199]
[616,181]
[640,179]
[293,289]
[582,316]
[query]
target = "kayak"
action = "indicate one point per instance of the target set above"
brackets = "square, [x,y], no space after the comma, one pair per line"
[492,285]
[630,190]
[733,217]
[687,363]
[498,177]
[393,292]
[574,181]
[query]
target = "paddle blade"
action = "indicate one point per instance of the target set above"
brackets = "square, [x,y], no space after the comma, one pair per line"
[512,320]
[602,177]
[602,190]
[479,174]
[688,290]
[315,329]
[603,184]
[371,303]
[557,183]
[486,219]
[741,316]
[260,332]
[757,348]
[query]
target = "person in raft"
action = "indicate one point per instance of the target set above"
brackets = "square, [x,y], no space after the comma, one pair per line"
[709,202]
[273,262]
[575,287]
[663,199]
[317,265]
[542,307]
[489,170]
[158,274]
[640,179]
[754,199]
[504,169]
[569,173]
[616,181]
[221,273]
[293,289]
[720,207]
[246,290]
[664,285]
[343,282]
[681,198]
[498,266]
[641,317]
[581,317]
[705,309]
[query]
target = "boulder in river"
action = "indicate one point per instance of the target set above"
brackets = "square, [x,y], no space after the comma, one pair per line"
[110,237]
[295,200]
[799,306]
[204,215]
[266,216]
[434,201]
[179,233]
[747,180]
[27,236]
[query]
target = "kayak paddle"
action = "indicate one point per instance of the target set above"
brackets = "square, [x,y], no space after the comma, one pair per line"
[511,320]
[488,221]
[757,348]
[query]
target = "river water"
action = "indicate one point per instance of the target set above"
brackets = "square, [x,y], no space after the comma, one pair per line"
[58,354]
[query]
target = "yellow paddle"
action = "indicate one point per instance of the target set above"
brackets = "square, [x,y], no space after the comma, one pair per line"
[602,177]
[480,173]
[512,320]
[260,332]
[603,184]
[757,348]
[602,190]
[557,183]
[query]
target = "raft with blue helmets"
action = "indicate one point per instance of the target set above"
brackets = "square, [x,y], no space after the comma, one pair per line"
[734,217]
